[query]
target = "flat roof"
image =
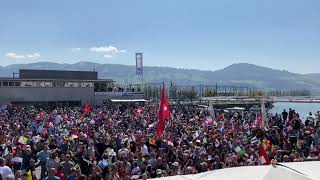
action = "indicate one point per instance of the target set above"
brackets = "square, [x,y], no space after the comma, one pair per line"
[57,74]
[54,70]
[128,100]
[76,80]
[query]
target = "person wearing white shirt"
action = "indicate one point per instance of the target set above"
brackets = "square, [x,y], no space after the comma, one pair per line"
[5,171]
[144,150]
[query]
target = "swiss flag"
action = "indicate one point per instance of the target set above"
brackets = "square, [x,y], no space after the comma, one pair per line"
[170,141]
[139,110]
[263,157]
[221,117]
[40,116]
[164,112]
[50,124]
[87,109]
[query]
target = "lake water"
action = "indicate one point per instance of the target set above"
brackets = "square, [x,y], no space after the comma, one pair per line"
[302,108]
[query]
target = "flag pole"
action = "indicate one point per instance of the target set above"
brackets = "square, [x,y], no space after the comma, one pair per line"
[142,78]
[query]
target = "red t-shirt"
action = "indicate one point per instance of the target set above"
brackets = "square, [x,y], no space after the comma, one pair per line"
[60,175]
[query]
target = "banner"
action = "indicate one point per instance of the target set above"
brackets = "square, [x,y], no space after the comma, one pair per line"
[139,63]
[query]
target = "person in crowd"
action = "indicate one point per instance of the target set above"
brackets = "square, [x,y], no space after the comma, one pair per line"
[43,156]
[67,165]
[5,171]
[120,141]
[52,162]
[60,173]
[52,175]
[284,116]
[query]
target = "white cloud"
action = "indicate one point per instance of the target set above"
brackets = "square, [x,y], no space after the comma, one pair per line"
[109,50]
[75,49]
[15,56]
[107,56]
[23,56]
[34,55]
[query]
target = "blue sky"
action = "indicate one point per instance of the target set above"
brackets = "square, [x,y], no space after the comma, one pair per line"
[200,34]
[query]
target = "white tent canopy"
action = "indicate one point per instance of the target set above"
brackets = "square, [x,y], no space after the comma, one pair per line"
[302,171]
[310,168]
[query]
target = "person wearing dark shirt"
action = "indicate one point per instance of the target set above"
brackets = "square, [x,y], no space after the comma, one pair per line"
[290,114]
[296,124]
[306,123]
[217,164]
[27,156]
[101,147]
[284,116]
[85,165]
[133,147]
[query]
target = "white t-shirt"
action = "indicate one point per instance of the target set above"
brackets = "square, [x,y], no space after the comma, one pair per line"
[58,120]
[135,170]
[5,171]
[144,150]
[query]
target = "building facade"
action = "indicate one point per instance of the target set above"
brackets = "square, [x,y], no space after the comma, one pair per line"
[53,87]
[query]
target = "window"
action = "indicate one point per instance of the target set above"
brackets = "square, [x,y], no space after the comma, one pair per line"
[29,84]
[5,83]
[87,84]
[47,84]
[100,87]
[103,87]
[58,84]
[17,83]
[11,83]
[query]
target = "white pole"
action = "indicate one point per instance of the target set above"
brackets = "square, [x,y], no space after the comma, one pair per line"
[263,114]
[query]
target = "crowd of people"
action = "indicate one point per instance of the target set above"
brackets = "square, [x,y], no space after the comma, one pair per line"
[120,142]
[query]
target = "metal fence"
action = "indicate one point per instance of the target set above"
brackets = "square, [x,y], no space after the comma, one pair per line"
[153,90]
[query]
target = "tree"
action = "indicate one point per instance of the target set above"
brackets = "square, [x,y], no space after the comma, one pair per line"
[192,94]
[173,91]
[189,94]
[210,92]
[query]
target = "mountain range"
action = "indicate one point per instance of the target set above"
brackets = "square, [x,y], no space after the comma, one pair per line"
[241,74]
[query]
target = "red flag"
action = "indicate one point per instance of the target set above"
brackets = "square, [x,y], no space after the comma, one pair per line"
[221,117]
[87,109]
[170,140]
[209,120]
[50,125]
[259,120]
[263,157]
[101,116]
[139,110]
[40,116]
[164,112]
